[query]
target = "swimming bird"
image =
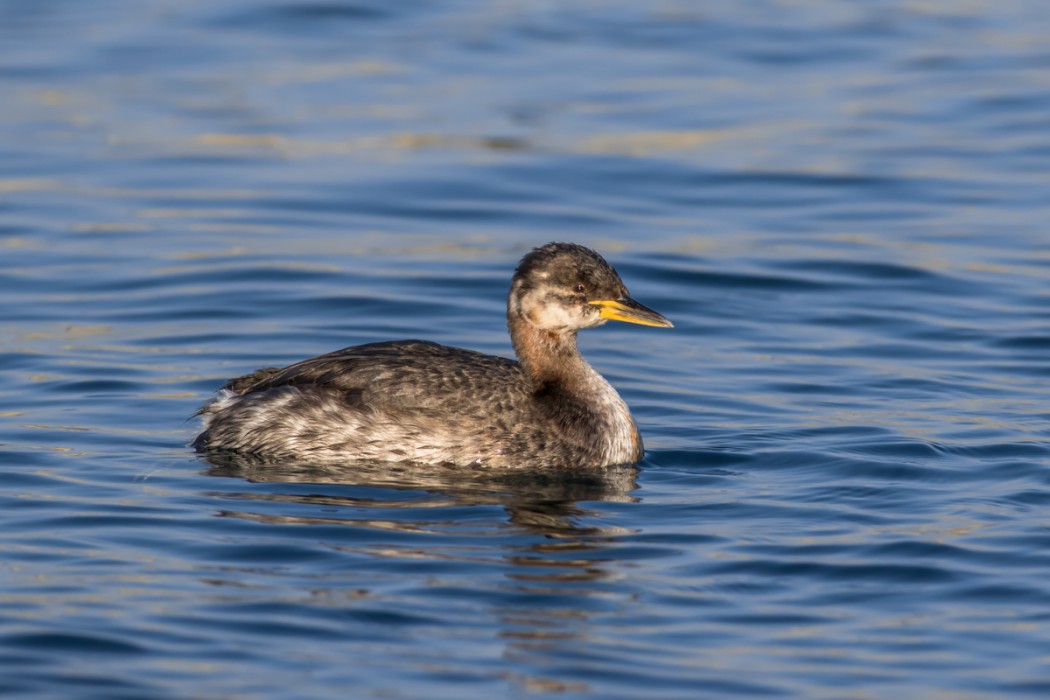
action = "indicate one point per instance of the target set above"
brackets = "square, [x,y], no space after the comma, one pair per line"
[420,402]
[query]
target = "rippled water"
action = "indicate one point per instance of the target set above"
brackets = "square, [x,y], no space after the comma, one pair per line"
[842,206]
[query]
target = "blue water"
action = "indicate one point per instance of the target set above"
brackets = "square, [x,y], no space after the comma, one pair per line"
[842,206]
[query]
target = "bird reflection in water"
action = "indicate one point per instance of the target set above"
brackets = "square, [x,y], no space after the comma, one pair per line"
[542,501]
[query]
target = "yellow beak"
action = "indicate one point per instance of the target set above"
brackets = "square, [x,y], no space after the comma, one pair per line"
[630,311]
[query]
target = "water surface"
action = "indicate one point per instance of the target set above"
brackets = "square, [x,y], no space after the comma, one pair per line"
[842,207]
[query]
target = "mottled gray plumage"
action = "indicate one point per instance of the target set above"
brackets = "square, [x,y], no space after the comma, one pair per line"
[416,401]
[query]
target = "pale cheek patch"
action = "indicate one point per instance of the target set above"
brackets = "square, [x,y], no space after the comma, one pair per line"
[552,318]
[552,315]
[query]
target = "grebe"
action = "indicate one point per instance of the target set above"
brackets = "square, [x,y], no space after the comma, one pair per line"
[420,402]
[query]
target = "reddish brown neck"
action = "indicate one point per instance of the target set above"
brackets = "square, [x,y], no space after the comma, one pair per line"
[546,356]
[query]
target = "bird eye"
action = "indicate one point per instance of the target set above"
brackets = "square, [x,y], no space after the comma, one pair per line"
[579,287]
